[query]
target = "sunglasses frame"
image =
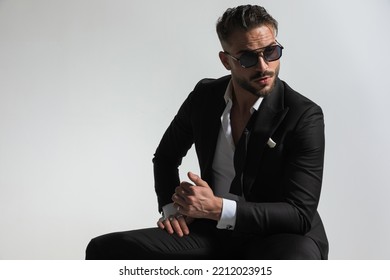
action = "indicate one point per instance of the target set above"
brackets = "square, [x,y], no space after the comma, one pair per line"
[258,53]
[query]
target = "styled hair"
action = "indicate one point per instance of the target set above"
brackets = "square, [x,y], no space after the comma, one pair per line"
[244,18]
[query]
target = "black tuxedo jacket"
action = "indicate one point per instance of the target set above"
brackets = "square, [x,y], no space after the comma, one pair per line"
[282,184]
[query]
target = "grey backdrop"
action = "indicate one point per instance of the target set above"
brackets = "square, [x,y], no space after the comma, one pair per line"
[88,87]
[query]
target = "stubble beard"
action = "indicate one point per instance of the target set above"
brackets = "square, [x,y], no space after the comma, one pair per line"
[263,92]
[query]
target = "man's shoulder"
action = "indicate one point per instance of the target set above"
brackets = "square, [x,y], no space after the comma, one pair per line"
[293,98]
[210,90]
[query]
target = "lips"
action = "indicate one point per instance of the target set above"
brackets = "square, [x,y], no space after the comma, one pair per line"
[264,80]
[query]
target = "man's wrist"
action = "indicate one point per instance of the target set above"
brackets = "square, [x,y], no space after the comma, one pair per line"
[216,215]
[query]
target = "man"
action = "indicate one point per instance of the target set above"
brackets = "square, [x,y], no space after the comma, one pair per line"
[260,147]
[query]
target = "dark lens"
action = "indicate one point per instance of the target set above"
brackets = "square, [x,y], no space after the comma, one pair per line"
[248,59]
[272,53]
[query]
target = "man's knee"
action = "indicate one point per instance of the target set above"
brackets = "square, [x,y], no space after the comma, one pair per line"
[97,249]
[118,245]
[151,243]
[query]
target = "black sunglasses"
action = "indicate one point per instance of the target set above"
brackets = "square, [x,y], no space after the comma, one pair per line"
[251,58]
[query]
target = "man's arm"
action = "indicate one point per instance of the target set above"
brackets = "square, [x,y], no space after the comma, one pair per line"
[300,184]
[174,145]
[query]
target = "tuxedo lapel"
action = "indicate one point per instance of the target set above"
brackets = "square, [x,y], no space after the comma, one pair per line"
[271,113]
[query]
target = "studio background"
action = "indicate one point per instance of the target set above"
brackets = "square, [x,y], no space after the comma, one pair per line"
[87,89]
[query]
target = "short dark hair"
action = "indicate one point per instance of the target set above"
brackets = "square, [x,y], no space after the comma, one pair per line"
[243,17]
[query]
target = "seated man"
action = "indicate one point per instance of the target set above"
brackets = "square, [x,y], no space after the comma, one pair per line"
[260,147]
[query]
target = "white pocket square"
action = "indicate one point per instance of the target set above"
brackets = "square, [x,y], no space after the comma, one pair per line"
[271,143]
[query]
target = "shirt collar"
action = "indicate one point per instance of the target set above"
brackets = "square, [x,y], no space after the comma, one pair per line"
[229,98]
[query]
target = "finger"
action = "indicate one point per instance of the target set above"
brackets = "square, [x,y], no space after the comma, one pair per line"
[179,201]
[160,223]
[168,226]
[184,188]
[176,226]
[183,224]
[197,180]
[182,210]
[185,184]
[177,198]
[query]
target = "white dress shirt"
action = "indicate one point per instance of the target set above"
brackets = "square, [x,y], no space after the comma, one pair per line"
[223,166]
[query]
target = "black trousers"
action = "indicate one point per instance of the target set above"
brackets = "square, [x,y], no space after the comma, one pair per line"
[203,242]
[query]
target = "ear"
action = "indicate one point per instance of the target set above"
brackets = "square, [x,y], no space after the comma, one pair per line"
[225,61]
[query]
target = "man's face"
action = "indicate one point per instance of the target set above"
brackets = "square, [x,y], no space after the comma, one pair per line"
[259,79]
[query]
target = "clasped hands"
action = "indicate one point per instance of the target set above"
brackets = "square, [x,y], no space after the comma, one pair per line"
[192,201]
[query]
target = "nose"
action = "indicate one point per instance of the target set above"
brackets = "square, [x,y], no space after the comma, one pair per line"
[262,64]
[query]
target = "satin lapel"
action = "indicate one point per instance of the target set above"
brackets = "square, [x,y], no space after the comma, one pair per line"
[271,113]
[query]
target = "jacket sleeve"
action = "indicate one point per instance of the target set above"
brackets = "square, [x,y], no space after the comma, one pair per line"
[298,183]
[174,145]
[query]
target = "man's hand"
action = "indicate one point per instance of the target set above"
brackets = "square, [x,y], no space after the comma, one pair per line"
[175,224]
[197,201]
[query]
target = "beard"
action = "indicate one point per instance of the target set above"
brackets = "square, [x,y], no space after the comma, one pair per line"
[249,86]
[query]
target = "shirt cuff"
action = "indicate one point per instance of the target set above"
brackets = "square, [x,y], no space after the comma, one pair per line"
[228,215]
[169,210]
